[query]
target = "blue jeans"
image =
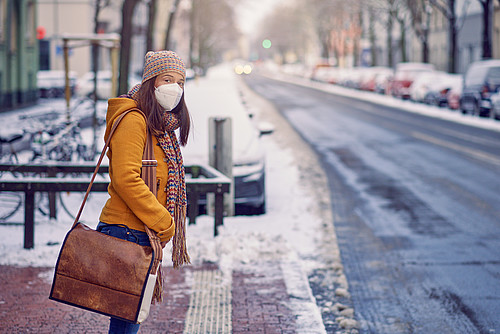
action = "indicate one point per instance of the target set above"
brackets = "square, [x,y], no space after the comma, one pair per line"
[117,326]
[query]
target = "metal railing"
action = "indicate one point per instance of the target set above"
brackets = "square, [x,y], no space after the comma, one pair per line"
[200,179]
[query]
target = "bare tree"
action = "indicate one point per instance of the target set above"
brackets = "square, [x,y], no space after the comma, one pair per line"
[324,14]
[170,23]
[99,5]
[125,43]
[420,11]
[447,7]
[389,12]
[285,27]
[213,31]
[372,36]
[151,25]
[487,27]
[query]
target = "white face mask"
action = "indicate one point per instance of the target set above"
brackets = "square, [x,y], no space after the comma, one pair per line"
[168,96]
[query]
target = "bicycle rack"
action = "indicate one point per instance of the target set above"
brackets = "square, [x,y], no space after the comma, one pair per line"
[201,179]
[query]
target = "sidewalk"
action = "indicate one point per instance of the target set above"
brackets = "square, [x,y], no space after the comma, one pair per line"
[279,272]
[197,300]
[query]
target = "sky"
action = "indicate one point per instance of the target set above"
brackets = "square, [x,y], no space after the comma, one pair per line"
[250,12]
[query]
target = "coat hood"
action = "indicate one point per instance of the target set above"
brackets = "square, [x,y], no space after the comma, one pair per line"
[116,107]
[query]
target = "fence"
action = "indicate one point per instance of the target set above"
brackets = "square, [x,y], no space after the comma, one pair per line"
[200,179]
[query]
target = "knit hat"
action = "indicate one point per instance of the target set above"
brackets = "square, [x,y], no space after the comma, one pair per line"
[158,62]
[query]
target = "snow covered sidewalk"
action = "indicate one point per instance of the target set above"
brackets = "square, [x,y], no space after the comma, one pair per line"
[256,271]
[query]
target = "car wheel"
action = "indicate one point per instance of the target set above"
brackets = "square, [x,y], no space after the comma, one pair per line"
[494,114]
[260,210]
[476,110]
[247,210]
[484,112]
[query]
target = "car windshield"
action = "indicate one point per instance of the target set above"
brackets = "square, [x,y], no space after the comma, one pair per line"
[494,76]
[475,75]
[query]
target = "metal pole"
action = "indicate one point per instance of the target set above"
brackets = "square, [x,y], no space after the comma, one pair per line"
[29,219]
[67,90]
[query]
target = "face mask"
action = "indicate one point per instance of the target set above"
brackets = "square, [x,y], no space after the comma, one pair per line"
[168,96]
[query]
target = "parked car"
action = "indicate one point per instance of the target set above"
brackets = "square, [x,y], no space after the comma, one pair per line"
[382,80]
[370,75]
[85,85]
[495,105]
[404,76]
[480,81]
[52,83]
[439,89]
[454,95]
[325,73]
[422,84]
[223,100]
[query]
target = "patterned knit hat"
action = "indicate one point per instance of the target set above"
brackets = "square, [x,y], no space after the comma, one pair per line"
[158,62]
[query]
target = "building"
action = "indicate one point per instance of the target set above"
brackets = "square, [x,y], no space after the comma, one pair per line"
[76,17]
[18,53]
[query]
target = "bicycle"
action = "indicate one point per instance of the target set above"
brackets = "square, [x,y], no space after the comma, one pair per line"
[52,139]
[10,201]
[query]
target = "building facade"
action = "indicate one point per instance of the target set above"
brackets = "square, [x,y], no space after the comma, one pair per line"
[18,53]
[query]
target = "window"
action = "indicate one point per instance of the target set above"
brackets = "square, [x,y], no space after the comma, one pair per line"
[13,31]
[3,19]
[30,23]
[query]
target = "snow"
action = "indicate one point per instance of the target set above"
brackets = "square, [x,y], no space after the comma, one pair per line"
[389,101]
[286,235]
[288,240]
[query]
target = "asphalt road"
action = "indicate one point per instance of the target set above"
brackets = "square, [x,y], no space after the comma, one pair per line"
[416,209]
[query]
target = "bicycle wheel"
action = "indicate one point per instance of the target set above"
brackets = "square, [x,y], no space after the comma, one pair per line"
[71,201]
[10,202]
[42,203]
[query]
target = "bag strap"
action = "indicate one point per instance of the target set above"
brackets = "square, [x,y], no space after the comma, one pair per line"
[101,157]
[148,166]
[148,174]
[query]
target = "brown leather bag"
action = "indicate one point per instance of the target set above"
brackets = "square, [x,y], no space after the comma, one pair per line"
[108,275]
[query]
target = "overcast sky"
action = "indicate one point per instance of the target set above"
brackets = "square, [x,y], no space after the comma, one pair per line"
[250,12]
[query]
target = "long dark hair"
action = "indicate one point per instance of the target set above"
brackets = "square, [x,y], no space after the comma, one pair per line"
[146,101]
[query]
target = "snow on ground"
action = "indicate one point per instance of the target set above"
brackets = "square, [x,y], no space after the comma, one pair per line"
[292,234]
[389,101]
[276,242]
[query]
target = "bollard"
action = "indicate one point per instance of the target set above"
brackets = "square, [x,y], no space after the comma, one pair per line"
[221,157]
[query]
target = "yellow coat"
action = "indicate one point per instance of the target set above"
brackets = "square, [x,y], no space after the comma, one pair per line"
[131,202]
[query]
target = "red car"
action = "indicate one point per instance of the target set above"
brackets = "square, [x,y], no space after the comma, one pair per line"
[404,76]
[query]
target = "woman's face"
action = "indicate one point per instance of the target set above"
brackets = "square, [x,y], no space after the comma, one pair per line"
[169,78]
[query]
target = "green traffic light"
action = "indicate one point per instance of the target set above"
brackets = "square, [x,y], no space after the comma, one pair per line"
[266,44]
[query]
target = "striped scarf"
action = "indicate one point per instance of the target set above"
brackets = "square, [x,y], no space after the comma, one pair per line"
[176,187]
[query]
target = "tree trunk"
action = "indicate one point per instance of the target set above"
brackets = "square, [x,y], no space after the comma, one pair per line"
[402,42]
[151,26]
[372,36]
[390,22]
[125,42]
[357,40]
[486,29]
[425,50]
[325,48]
[192,34]
[170,24]
[452,59]
[425,38]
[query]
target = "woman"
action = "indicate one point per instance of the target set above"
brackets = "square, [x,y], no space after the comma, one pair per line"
[160,96]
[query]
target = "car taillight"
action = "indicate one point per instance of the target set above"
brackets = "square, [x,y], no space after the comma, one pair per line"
[485,92]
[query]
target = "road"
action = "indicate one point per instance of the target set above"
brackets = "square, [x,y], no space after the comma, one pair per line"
[416,209]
